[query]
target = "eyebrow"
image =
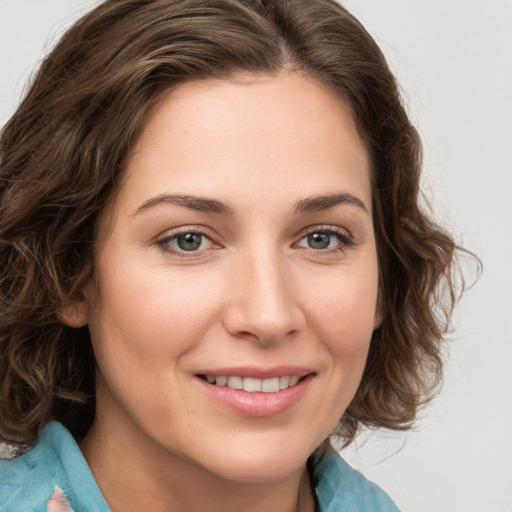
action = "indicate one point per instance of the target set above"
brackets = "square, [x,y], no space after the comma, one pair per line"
[202,204]
[207,205]
[319,203]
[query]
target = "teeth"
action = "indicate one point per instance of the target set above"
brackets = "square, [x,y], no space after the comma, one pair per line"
[284,382]
[293,380]
[252,385]
[221,381]
[235,383]
[270,385]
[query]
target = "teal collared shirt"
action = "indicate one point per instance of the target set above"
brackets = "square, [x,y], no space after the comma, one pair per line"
[27,482]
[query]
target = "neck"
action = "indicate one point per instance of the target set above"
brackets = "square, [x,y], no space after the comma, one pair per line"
[135,474]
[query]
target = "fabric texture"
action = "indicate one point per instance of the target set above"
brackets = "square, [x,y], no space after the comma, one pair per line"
[339,488]
[54,477]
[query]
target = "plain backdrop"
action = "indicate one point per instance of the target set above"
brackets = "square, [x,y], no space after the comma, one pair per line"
[453,59]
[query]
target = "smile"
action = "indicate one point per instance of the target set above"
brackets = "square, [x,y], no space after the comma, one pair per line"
[252,384]
[256,397]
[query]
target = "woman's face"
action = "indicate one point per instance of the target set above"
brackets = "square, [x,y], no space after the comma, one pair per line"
[239,247]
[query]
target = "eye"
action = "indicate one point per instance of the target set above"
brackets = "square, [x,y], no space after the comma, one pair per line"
[190,241]
[325,239]
[186,241]
[319,240]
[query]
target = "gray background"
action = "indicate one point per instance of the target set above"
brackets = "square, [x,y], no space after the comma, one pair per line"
[453,59]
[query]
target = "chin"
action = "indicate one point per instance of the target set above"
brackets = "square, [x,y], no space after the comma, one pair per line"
[269,471]
[261,462]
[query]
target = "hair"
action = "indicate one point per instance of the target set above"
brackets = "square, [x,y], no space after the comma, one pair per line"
[61,156]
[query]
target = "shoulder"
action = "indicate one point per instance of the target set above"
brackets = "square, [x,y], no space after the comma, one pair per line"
[25,481]
[341,488]
[28,482]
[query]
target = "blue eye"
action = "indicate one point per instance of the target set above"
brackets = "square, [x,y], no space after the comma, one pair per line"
[186,242]
[189,241]
[326,239]
[319,240]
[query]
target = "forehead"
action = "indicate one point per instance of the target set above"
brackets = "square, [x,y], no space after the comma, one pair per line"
[285,132]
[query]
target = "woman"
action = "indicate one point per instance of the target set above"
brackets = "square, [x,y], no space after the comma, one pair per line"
[214,262]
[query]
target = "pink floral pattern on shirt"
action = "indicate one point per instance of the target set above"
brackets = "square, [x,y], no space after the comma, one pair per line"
[58,502]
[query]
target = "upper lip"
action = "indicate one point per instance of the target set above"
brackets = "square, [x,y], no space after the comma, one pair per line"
[258,373]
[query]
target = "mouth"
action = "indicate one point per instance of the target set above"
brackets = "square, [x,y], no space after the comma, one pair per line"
[257,393]
[253,384]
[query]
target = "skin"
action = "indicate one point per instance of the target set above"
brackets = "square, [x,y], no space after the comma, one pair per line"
[255,293]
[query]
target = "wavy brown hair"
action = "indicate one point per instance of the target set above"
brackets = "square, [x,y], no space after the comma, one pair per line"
[61,157]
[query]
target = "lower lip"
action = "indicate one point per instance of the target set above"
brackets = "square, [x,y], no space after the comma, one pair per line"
[258,405]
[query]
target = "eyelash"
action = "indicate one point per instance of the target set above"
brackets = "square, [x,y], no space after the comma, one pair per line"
[164,243]
[344,238]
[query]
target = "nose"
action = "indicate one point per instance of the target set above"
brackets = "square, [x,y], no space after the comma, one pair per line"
[263,303]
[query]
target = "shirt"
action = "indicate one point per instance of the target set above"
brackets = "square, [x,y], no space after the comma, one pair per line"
[55,468]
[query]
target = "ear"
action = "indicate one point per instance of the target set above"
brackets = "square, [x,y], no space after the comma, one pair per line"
[75,312]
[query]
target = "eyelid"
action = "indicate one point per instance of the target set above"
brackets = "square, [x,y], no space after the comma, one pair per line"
[327,228]
[162,240]
[344,235]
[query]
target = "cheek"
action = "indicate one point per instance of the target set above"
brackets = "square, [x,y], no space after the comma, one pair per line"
[347,309]
[143,325]
[343,317]
[149,315]
[342,320]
